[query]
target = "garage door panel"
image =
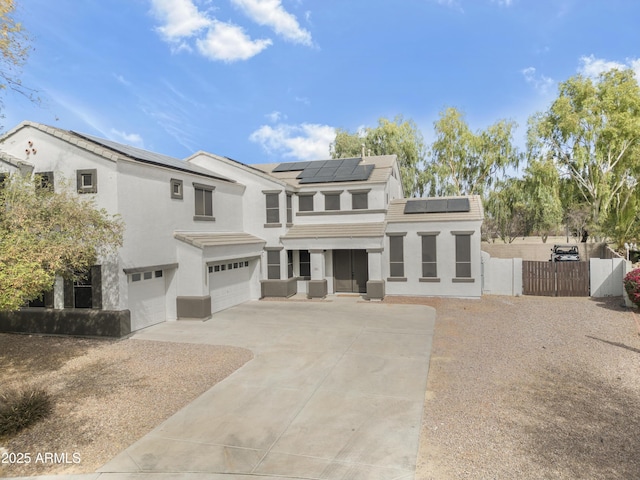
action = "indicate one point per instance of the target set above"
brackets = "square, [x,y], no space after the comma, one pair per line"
[231,286]
[147,302]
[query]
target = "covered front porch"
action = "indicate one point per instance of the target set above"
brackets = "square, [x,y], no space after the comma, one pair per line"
[341,258]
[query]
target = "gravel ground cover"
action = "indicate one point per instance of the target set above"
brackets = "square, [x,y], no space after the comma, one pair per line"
[107,394]
[532,388]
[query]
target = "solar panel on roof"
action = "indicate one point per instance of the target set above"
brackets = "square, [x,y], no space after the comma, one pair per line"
[458,205]
[328,171]
[437,205]
[415,206]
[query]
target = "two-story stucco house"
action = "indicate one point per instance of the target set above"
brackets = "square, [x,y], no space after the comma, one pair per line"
[206,233]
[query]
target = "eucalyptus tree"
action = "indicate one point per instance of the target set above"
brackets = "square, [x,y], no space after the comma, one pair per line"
[592,131]
[398,136]
[468,163]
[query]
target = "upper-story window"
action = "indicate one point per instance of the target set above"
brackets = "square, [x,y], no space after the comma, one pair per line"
[272,200]
[332,200]
[305,202]
[359,199]
[45,180]
[87,180]
[203,202]
[176,189]
[289,208]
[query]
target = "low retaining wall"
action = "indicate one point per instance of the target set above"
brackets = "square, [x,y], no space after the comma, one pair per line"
[82,323]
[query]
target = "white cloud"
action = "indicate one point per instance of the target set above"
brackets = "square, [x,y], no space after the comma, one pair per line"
[301,142]
[275,116]
[229,43]
[180,19]
[503,3]
[132,139]
[593,67]
[541,83]
[271,13]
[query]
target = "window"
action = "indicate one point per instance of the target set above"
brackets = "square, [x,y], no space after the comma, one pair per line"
[45,300]
[305,264]
[289,263]
[158,273]
[396,256]
[305,203]
[359,200]
[136,277]
[87,181]
[332,201]
[176,189]
[273,264]
[463,256]
[289,209]
[273,208]
[429,262]
[45,180]
[86,290]
[203,202]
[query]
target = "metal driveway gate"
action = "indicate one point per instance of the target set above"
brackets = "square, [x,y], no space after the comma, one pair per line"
[555,279]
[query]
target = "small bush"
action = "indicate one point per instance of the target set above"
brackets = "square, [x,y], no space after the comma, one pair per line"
[632,286]
[21,408]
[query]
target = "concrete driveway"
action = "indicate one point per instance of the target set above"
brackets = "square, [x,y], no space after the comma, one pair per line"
[336,390]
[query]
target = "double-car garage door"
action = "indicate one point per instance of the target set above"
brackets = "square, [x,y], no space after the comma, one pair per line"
[230,283]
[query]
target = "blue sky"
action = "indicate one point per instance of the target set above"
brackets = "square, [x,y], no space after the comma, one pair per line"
[270,80]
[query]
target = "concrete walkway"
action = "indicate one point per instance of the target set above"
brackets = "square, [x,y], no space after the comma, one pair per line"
[336,390]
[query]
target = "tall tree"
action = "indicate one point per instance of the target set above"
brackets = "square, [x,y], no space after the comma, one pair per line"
[541,185]
[506,211]
[14,50]
[592,131]
[467,163]
[44,234]
[398,136]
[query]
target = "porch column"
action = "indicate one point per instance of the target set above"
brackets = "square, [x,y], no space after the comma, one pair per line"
[317,287]
[375,284]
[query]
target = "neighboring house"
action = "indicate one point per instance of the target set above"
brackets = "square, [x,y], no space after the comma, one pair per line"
[208,233]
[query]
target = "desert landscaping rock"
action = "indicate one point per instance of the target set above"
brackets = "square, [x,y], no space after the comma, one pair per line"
[107,393]
[532,388]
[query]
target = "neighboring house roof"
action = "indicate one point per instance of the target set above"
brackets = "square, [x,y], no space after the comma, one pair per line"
[217,239]
[114,150]
[396,211]
[382,168]
[335,230]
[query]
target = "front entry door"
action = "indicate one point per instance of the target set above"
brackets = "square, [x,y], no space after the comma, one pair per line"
[350,270]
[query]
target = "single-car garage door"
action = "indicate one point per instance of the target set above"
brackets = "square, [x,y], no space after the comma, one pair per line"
[230,283]
[147,299]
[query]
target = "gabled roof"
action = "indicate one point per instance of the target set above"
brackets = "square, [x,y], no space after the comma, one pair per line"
[114,150]
[396,211]
[238,164]
[382,168]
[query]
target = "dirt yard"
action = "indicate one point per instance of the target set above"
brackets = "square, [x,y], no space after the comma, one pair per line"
[107,394]
[532,388]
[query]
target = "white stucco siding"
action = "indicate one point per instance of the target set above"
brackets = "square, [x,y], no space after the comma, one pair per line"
[447,285]
[48,153]
[152,216]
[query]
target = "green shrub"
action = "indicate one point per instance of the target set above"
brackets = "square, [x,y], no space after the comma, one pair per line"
[21,408]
